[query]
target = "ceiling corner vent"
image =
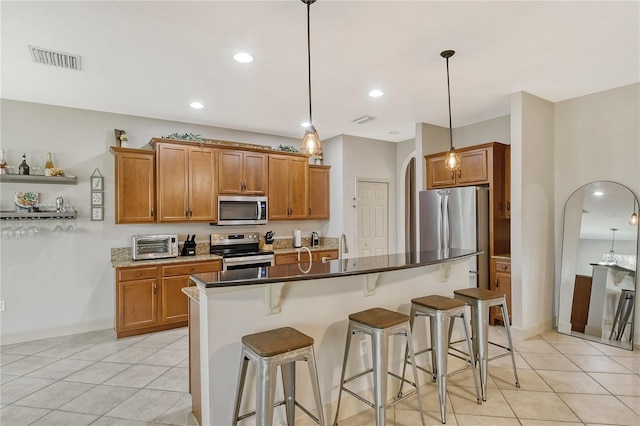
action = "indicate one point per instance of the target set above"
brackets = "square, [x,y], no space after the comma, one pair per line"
[362,119]
[56,59]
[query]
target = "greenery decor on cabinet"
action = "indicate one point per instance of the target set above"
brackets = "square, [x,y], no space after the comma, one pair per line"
[97,196]
[185,137]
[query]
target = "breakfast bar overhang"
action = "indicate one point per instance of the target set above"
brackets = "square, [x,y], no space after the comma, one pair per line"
[316,299]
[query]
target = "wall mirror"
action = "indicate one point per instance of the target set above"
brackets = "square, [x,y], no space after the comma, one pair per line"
[599,258]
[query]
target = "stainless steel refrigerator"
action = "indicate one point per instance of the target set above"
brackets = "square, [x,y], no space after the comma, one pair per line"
[458,218]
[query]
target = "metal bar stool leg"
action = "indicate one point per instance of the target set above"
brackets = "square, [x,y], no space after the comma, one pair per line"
[507,327]
[482,327]
[441,351]
[313,373]
[350,332]
[380,367]
[414,366]
[266,393]
[288,371]
[463,316]
[244,362]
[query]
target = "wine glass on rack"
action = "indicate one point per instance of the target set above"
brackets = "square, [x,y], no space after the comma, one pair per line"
[70,222]
[8,232]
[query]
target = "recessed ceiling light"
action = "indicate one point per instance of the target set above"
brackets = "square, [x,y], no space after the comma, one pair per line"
[376,93]
[598,193]
[394,132]
[196,105]
[305,124]
[243,57]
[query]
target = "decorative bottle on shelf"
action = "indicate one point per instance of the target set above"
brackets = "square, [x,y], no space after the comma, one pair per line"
[23,168]
[48,166]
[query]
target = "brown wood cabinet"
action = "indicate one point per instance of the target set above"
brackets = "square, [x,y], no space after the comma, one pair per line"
[319,192]
[288,187]
[149,298]
[136,299]
[186,182]
[134,185]
[316,256]
[474,170]
[242,172]
[500,282]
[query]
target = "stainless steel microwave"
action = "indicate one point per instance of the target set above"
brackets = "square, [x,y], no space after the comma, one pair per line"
[242,210]
[154,246]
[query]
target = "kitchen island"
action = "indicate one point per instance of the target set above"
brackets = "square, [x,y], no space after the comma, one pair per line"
[316,299]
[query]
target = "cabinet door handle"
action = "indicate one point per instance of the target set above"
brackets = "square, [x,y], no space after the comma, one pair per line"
[504,266]
[459,173]
[508,205]
[497,283]
[452,175]
[309,211]
[153,212]
[138,273]
[155,288]
[186,212]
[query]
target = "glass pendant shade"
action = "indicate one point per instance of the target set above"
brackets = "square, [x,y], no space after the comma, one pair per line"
[610,258]
[311,145]
[452,160]
[633,220]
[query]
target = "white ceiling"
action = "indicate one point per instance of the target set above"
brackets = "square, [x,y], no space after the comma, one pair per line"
[152,59]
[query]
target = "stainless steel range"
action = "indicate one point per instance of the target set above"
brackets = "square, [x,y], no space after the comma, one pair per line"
[240,251]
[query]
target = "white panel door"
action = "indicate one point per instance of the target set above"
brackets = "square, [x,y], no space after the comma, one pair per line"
[372,220]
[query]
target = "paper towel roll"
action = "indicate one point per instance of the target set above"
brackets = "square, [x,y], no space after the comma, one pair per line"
[297,238]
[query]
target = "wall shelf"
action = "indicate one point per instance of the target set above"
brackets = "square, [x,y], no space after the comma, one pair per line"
[11,215]
[60,180]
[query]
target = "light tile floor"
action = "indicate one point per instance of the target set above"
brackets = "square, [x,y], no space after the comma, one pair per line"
[94,379]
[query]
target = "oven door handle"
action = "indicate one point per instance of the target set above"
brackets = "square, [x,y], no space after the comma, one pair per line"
[248,260]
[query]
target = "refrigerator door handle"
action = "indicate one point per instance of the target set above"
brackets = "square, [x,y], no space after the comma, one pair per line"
[446,223]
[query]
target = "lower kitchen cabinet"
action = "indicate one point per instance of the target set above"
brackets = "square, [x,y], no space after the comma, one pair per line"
[316,256]
[150,298]
[500,277]
[136,299]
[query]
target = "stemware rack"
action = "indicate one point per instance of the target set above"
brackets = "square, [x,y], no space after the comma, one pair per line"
[10,215]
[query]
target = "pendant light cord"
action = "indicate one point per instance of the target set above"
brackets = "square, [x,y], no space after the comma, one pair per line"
[449,95]
[309,59]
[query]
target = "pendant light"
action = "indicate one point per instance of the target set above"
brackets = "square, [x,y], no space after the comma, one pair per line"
[311,145]
[633,220]
[452,160]
[610,259]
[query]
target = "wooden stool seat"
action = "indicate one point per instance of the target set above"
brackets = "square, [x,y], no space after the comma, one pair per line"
[479,293]
[379,318]
[277,341]
[438,303]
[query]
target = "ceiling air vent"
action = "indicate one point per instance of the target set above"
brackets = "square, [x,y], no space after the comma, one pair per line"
[57,59]
[362,119]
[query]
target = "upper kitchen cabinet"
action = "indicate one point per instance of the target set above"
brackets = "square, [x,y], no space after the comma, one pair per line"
[475,168]
[288,187]
[319,192]
[242,172]
[135,185]
[186,187]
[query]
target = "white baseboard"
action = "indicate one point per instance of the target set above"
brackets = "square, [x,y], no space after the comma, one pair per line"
[82,327]
[519,334]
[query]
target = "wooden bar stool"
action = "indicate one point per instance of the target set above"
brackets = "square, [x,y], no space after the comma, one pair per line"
[481,300]
[380,324]
[442,312]
[268,350]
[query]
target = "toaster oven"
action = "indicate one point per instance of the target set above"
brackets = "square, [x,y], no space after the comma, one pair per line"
[158,246]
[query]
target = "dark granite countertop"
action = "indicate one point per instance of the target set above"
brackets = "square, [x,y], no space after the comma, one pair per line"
[329,269]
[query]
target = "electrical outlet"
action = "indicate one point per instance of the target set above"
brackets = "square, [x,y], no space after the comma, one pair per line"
[364,348]
[1,305]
